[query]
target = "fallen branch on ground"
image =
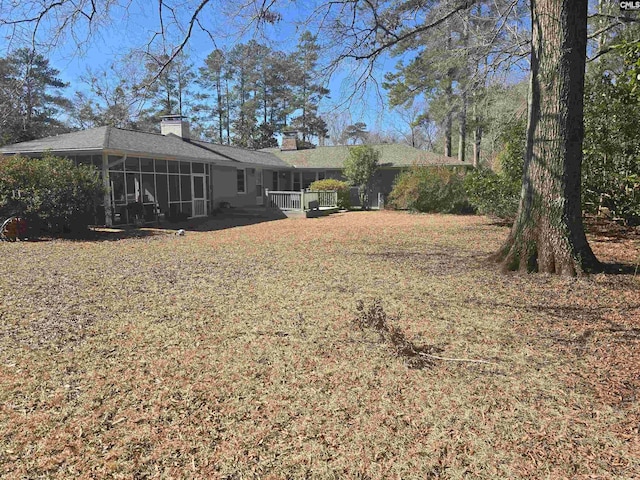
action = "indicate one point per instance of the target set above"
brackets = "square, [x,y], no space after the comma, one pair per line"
[414,356]
[471,360]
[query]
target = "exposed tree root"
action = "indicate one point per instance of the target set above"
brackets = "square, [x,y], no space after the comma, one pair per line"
[528,251]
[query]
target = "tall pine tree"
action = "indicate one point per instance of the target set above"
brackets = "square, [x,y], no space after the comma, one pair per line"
[30,96]
[307,90]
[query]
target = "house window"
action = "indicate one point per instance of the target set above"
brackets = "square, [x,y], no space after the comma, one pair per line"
[320,175]
[174,167]
[259,180]
[242,180]
[161,166]
[116,163]
[174,188]
[148,188]
[185,188]
[308,178]
[117,187]
[274,178]
[162,192]
[296,181]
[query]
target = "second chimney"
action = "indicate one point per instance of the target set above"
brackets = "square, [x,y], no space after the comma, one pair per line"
[289,140]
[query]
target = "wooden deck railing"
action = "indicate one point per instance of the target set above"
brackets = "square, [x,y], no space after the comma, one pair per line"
[300,200]
[325,199]
[284,200]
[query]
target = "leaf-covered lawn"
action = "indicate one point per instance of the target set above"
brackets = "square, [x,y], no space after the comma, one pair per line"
[234,354]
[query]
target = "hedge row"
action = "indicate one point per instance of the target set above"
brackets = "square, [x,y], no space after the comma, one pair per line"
[52,193]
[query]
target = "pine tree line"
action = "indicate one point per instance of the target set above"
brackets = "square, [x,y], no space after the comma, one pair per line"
[451,67]
[243,96]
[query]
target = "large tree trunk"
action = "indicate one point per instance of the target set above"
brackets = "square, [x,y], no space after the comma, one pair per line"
[220,110]
[548,234]
[228,112]
[447,128]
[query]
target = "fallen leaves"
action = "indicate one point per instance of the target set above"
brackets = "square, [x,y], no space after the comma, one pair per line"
[230,353]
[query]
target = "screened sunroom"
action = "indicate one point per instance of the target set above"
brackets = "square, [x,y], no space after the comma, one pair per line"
[165,188]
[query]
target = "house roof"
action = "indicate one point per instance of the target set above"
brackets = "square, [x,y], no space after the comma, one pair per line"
[258,157]
[391,155]
[92,139]
[140,143]
[155,144]
[158,144]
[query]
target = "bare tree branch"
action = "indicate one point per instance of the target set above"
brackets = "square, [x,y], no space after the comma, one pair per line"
[397,39]
[619,18]
[607,49]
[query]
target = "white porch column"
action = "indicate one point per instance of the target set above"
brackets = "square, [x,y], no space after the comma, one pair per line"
[106,182]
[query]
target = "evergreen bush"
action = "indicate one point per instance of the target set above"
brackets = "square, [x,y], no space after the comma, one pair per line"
[331,184]
[50,192]
[498,193]
[611,148]
[360,168]
[491,194]
[429,189]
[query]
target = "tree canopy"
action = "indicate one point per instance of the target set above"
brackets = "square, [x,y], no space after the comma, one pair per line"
[360,168]
[30,98]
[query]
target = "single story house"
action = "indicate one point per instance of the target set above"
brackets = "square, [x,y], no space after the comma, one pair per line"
[190,178]
[317,163]
[169,170]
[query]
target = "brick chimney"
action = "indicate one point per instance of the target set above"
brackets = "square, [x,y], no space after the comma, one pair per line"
[289,140]
[176,124]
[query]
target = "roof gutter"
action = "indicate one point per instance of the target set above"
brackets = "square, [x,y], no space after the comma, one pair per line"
[222,163]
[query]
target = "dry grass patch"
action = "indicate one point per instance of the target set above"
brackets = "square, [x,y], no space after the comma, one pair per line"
[233,354]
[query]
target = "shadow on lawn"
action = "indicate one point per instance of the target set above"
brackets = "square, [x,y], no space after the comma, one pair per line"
[620,268]
[220,221]
[449,262]
[606,230]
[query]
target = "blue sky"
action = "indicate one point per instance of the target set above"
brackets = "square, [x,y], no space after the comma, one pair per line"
[139,23]
[134,27]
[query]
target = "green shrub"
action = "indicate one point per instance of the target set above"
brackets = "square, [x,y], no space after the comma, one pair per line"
[429,189]
[330,184]
[498,194]
[359,168]
[51,192]
[611,148]
[492,194]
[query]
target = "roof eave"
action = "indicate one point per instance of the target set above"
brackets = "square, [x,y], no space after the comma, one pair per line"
[41,150]
[186,158]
